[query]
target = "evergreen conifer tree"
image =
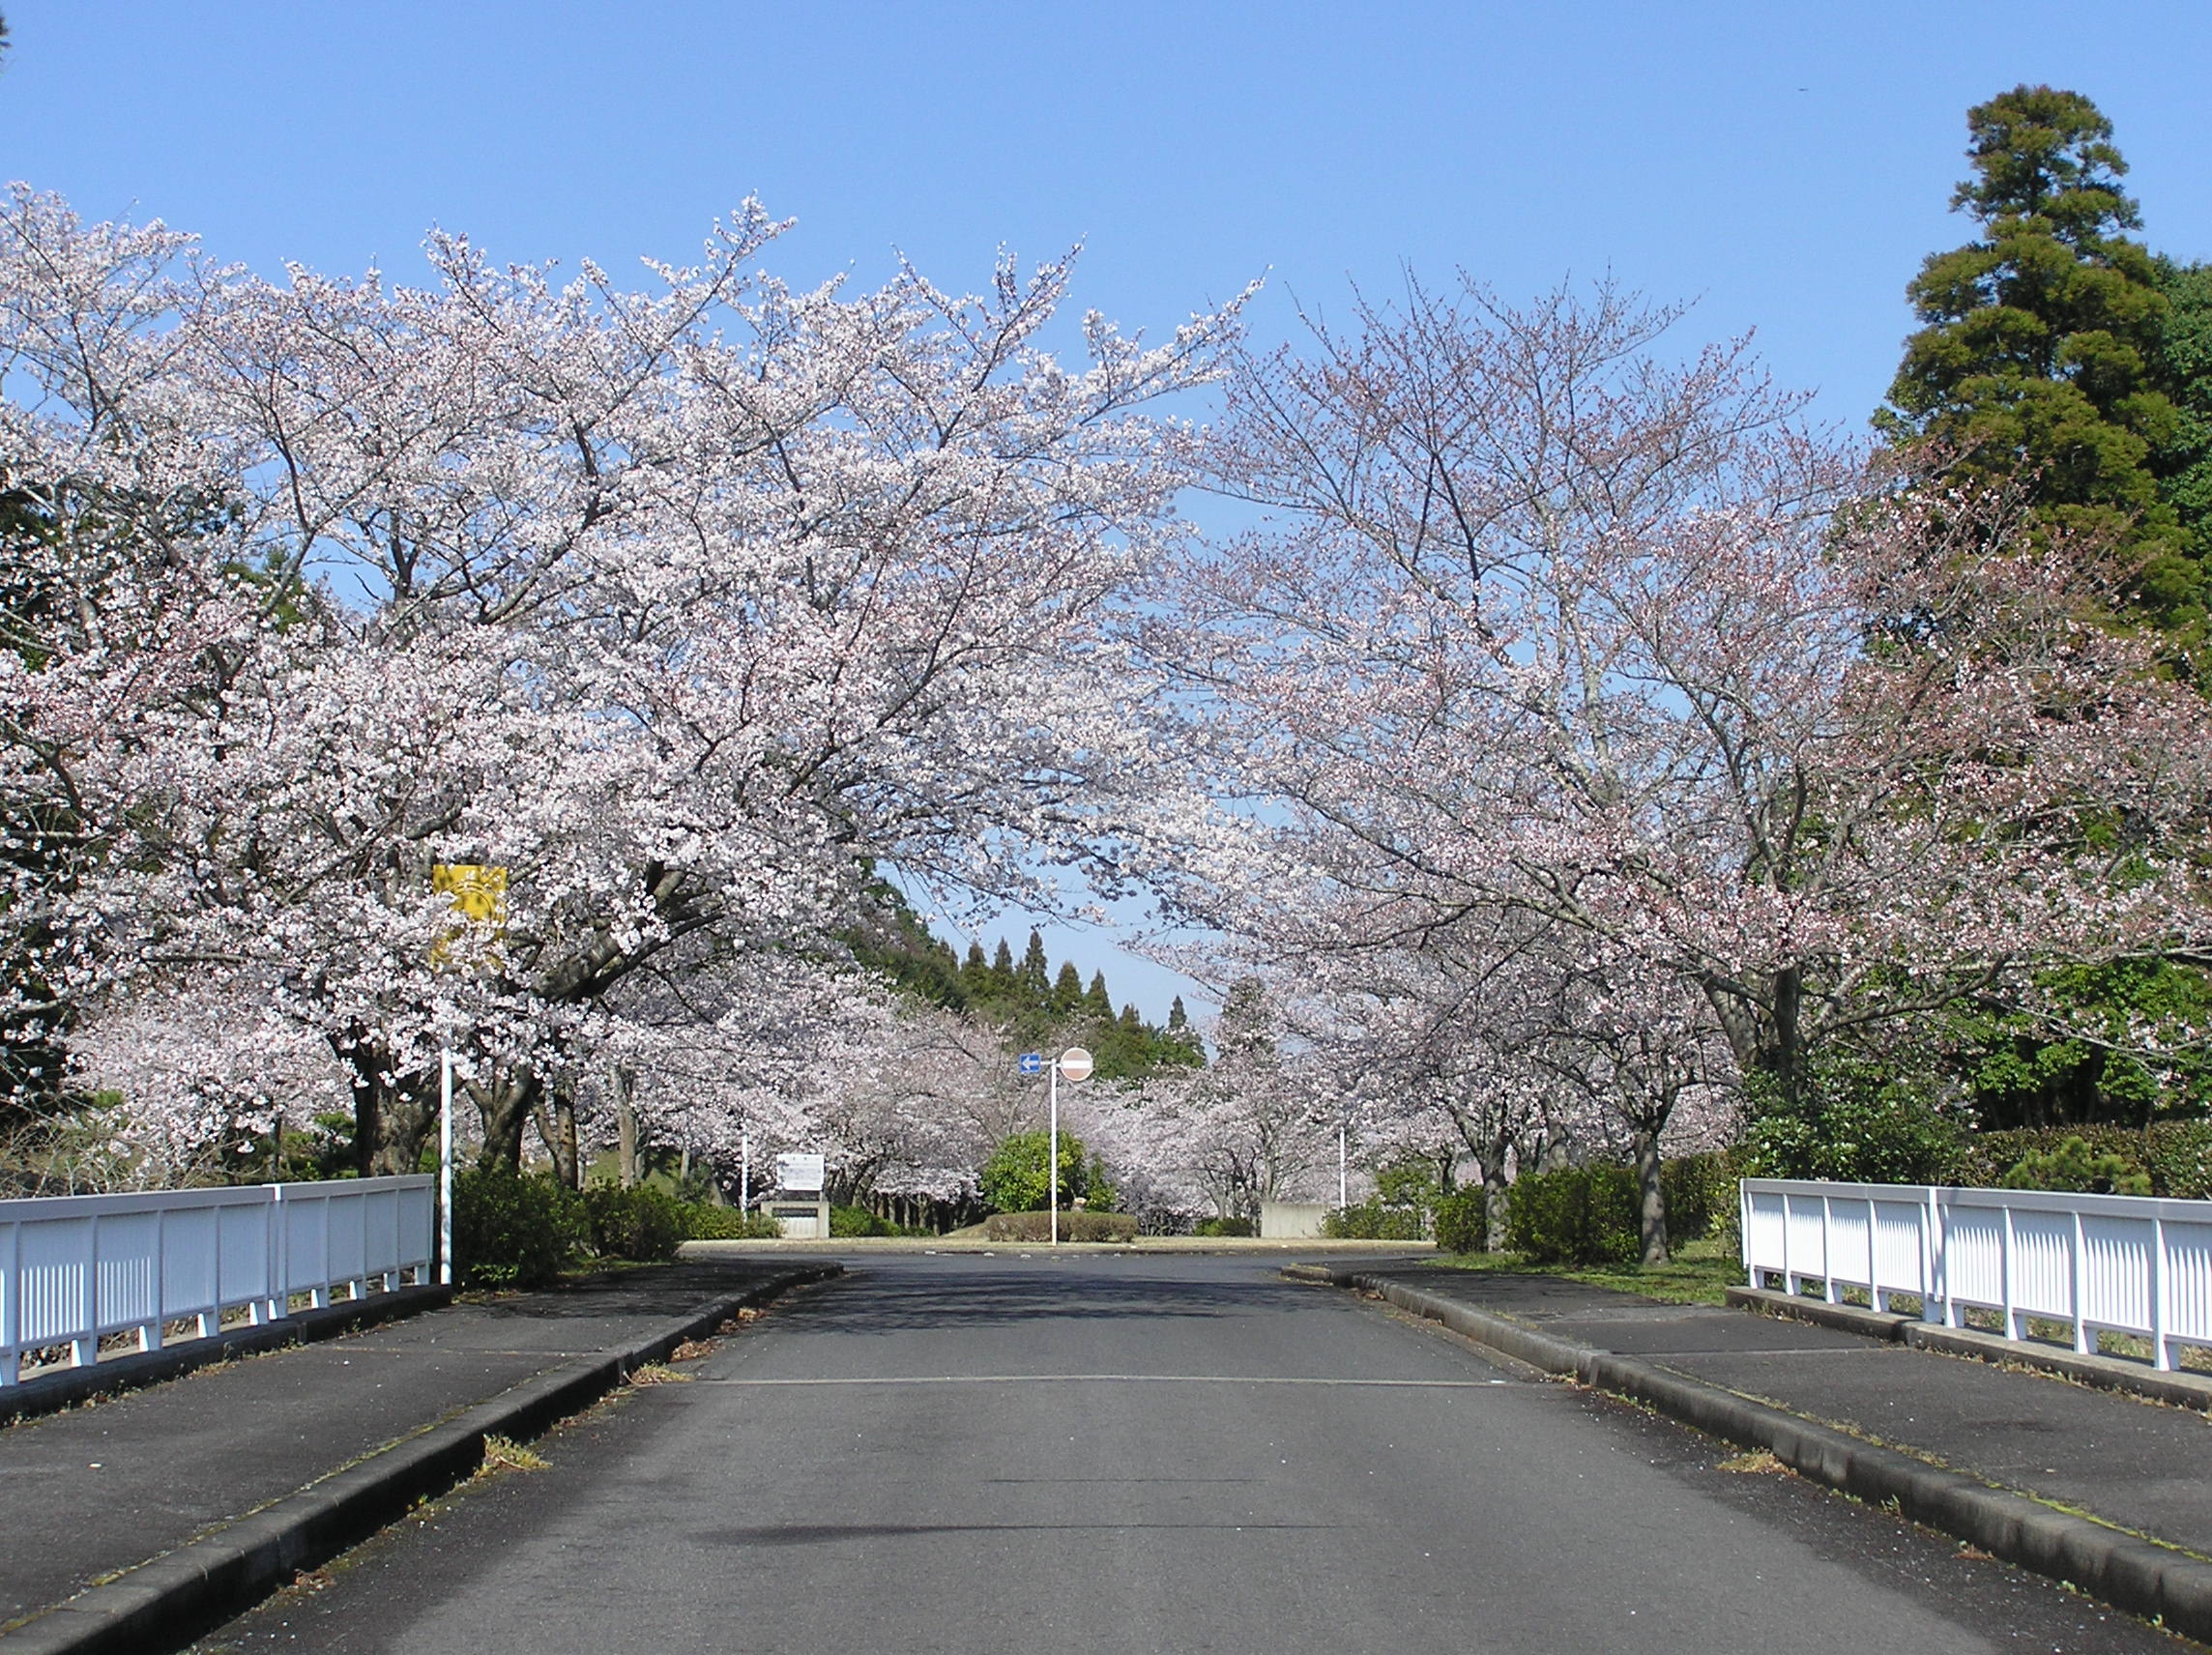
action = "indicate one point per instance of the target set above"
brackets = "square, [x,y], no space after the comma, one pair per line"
[1036,974]
[2040,358]
[1066,989]
[2185,349]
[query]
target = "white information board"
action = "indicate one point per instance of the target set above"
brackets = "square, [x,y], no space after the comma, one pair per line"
[799,1175]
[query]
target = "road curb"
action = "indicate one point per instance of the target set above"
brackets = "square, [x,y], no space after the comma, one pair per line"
[50,1393]
[2144,1577]
[168,1602]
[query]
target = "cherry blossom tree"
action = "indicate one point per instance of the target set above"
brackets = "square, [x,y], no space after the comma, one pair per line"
[1541,628]
[686,607]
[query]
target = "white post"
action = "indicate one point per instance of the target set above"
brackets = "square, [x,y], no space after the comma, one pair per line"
[1052,1149]
[744,1166]
[1743,1236]
[2162,1355]
[446,1165]
[1873,1270]
[1342,1198]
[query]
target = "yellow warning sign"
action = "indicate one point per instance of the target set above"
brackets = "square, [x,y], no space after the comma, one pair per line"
[478,891]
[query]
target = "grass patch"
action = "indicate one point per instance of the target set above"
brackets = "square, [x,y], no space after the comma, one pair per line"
[504,1454]
[1700,1272]
[1759,1463]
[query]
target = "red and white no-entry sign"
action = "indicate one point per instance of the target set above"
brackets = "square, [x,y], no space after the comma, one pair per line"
[1074,1065]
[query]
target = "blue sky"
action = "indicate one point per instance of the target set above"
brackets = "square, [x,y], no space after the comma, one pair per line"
[1785,166]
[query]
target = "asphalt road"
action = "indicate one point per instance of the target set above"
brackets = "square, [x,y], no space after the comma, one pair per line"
[1146,1453]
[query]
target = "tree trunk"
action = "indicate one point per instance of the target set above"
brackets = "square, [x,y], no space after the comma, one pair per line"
[556,1117]
[1785,1057]
[625,1126]
[505,1103]
[1767,1040]
[393,1115]
[1651,1204]
[567,1153]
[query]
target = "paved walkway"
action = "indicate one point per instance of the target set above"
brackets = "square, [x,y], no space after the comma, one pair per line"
[105,1486]
[2140,1465]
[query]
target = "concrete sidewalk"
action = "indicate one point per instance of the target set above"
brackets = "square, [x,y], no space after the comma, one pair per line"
[2128,1463]
[98,1490]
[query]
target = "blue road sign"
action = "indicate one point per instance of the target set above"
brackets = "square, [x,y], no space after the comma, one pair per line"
[1032,1062]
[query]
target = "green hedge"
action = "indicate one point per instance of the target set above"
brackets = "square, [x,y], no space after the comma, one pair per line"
[520,1230]
[641,1224]
[2071,1165]
[1460,1222]
[513,1230]
[1577,1215]
[859,1221]
[2175,1155]
[1211,1227]
[1084,1226]
[705,1222]
[1701,1194]
[1373,1221]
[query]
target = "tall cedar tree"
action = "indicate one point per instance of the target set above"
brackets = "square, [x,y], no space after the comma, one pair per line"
[2186,353]
[2041,356]
[2061,351]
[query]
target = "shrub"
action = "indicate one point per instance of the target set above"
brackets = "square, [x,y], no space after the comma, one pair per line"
[1082,1226]
[1099,1194]
[703,1221]
[2175,1155]
[1460,1222]
[1372,1220]
[1849,1123]
[858,1221]
[641,1223]
[2071,1165]
[513,1230]
[1699,1191]
[2178,1156]
[1013,1178]
[1577,1215]
[1225,1227]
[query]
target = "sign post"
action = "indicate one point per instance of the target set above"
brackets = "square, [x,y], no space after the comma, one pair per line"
[479,891]
[1073,1064]
[445,1163]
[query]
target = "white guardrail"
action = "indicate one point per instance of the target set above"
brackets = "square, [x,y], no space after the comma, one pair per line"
[75,1269]
[2116,1262]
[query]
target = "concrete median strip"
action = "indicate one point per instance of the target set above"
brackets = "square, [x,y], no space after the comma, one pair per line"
[2158,1582]
[168,1602]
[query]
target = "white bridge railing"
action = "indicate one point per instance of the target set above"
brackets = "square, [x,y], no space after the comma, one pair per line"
[2098,1262]
[75,1269]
